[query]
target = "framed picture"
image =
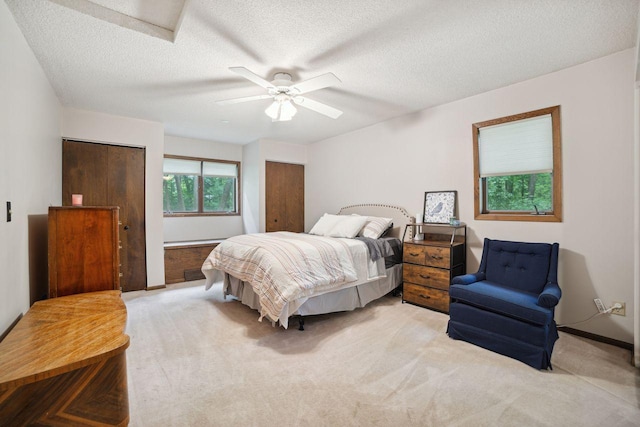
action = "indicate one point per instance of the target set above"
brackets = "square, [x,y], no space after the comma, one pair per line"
[440,206]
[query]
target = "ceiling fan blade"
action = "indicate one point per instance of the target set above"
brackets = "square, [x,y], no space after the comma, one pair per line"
[250,75]
[318,107]
[244,99]
[315,83]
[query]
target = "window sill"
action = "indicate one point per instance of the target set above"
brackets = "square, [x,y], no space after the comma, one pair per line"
[198,214]
[518,217]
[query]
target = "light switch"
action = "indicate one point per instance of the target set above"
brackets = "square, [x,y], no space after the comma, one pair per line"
[8,211]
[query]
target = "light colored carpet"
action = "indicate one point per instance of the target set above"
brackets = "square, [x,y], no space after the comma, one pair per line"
[198,360]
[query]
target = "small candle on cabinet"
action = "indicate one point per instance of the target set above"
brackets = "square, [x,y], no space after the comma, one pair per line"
[76,199]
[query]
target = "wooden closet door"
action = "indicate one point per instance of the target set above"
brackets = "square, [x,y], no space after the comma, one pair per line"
[85,169]
[284,197]
[111,175]
[126,190]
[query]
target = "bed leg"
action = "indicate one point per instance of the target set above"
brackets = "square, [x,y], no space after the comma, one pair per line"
[301,327]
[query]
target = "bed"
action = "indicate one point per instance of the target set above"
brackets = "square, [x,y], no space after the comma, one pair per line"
[284,274]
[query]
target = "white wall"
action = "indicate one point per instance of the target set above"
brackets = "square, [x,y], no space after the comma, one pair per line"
[210,227]
[252,185]
[636,219]
[398,160]
[98,127]
[636,224]
[277,151]
[255,155]
[30,164]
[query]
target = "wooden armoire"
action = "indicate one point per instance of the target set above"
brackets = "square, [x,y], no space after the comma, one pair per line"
[84,250]
[112,175]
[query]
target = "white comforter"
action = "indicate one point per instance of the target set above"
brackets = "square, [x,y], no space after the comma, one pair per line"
[283,267]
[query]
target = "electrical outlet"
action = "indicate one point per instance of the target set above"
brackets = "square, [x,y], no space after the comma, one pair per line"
[619,311]
[600,305]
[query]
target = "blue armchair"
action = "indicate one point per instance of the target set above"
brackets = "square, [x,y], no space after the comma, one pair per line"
[508,305]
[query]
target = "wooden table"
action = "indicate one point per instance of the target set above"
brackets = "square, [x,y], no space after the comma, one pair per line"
[64,363]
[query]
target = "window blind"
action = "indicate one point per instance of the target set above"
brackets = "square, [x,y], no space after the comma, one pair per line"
[220,169]
[181,167]
[516,148]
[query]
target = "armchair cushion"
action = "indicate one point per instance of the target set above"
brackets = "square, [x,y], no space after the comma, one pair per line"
[501,299]
[517,264]
[550,296]
[467,279]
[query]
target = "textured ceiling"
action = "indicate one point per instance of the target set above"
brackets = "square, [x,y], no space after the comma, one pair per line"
[393,56]
[163,13]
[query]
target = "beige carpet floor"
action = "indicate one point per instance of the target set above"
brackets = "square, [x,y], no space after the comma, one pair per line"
[198,360]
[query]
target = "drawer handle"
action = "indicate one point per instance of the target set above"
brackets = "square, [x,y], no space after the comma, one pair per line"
[413,254]
[425,296]
[425,277]
[436,257]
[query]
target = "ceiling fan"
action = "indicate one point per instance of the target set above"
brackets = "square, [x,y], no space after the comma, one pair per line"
[285,94]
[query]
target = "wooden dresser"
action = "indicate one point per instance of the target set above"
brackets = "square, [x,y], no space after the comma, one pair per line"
[84,250]
[430,264]
[64,363]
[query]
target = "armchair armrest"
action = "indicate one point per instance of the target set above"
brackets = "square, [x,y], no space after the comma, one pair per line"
[550,295]
[467,279]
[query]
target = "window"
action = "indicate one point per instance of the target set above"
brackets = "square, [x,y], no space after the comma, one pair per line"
[517,167]
[194,186]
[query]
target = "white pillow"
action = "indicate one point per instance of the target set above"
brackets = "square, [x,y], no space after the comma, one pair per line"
[375,227]
[347,226]
[324,224]
[338,226]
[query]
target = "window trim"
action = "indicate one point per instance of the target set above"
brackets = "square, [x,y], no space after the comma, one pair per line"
[480,184]
[201,189]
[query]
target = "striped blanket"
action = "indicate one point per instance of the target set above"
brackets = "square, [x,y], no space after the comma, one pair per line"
[282,266]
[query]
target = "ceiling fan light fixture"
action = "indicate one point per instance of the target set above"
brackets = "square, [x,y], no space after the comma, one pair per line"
[281,111]
[287,111]
[284,94]
[273,110]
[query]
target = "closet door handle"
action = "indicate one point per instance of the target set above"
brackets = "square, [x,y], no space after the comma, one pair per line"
[126,227]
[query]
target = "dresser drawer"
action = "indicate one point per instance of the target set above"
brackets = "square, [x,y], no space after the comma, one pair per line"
[429,276]
[433,256]
[427,297]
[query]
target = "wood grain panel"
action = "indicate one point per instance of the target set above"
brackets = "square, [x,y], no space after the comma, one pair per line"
[429,276]
[85,171]
[294,200]
[90,396]
[426,297]
[275,195]
[64,363]
[83,250]
[126,190]
[428,255]
[284,197]
[112,175]
[179,259]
